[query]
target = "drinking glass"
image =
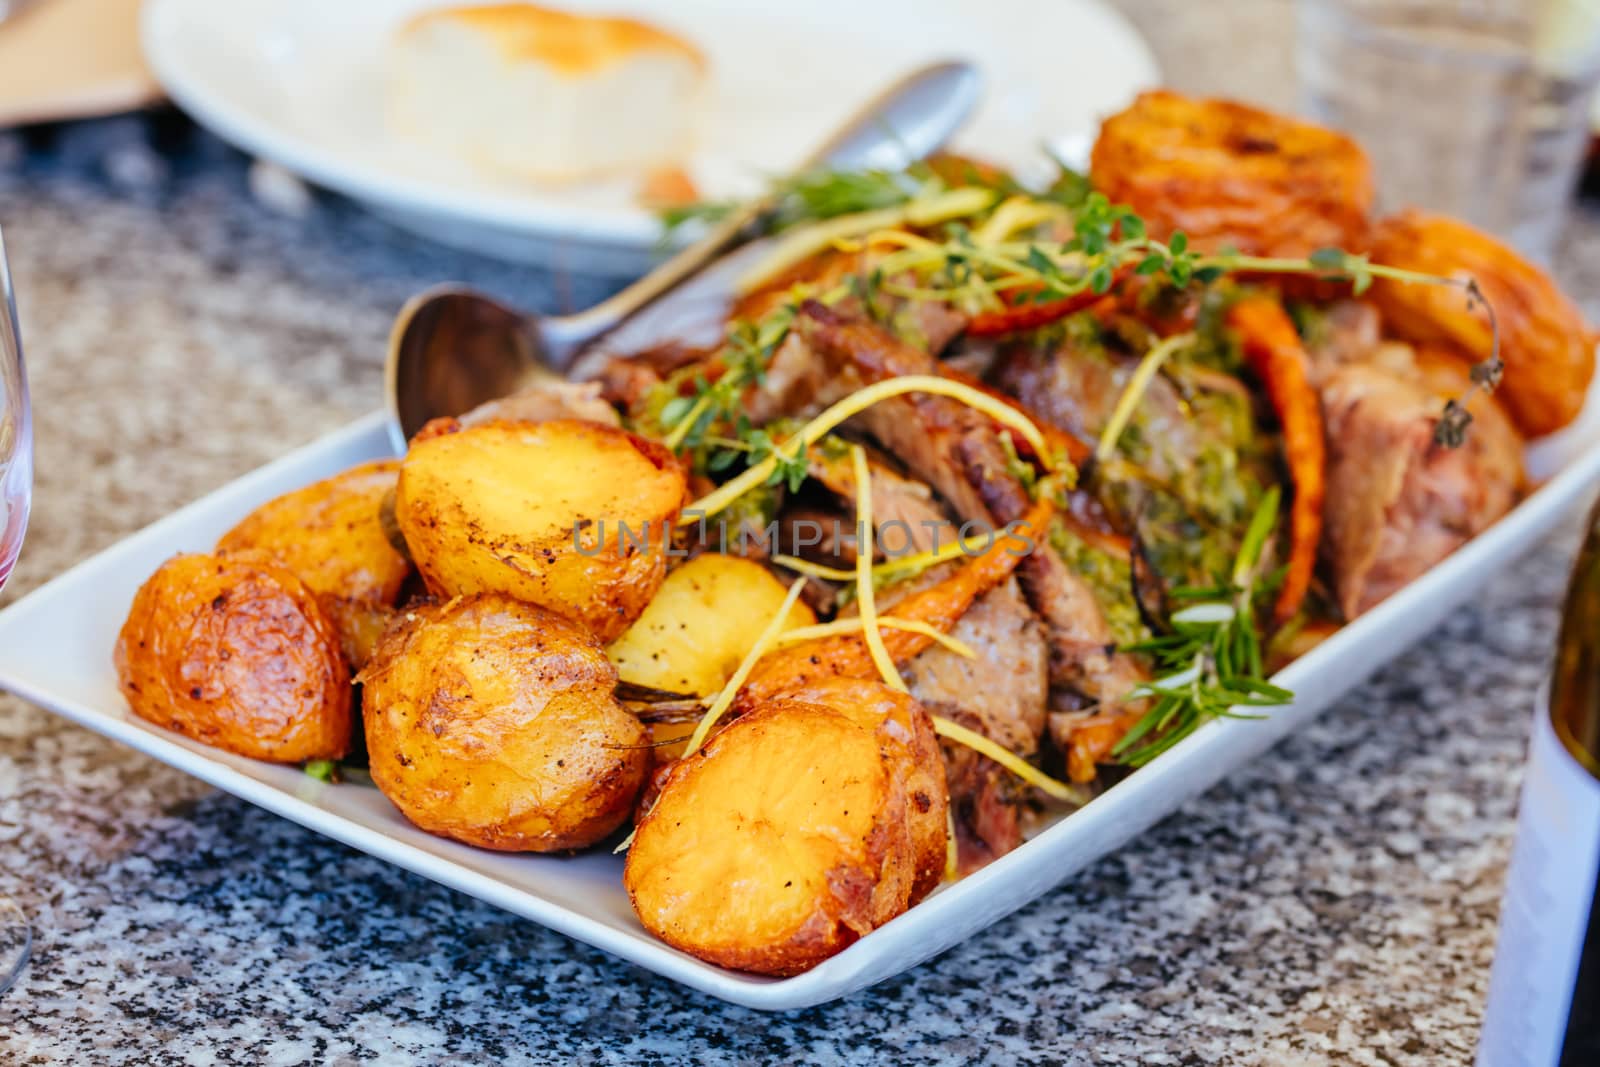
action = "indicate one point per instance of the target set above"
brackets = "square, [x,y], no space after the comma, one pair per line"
[1475,108]
[16,480]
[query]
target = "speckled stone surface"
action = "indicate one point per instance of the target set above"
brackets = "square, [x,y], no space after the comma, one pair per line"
[1334,904]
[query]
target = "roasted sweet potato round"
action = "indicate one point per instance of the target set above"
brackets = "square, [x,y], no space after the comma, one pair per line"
[495,722]
[569,515]
[1547,348]
[701,624]
[330,535]
[234,650]
[1231,175]
[777,845]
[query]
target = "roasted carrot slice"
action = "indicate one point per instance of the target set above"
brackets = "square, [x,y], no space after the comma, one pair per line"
[1273,350]
[1091,741]
[1030,316]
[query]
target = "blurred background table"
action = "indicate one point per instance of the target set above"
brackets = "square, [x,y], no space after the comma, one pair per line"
[1337,902]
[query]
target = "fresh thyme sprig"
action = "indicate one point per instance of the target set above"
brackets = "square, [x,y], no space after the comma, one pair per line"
[685,420]
[1211,663]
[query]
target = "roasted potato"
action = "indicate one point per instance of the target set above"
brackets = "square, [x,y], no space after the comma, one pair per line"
[701,624]
[329,534]
[1231,175]
[1547,348]
[235,651]
[906,733]
[572,516]
[776,845]
[496,722]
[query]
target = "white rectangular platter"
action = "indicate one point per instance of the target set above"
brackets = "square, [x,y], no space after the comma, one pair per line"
[55,650]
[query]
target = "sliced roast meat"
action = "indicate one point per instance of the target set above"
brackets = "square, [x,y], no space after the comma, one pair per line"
[928,324]
[1188,418]
[1073,384]
[1397,503]
[820,535]
[1005,685]
[1000,693]
[957,450]
[628,381]
[906,517]
[1348,332]
[985,801]
[795,384]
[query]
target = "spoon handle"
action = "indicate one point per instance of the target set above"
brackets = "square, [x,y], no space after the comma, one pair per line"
[905,122]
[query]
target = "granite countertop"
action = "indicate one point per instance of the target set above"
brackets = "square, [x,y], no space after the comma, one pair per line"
[1335,903]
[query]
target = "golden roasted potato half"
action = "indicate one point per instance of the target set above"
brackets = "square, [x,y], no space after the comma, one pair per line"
[235,651]
[700,624]
[776,845]
[330,535]
[905,731]
[495,722]
[1547,348]
[569,515]
[1231,175]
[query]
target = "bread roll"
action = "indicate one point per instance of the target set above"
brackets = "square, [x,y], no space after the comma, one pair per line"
[544,95]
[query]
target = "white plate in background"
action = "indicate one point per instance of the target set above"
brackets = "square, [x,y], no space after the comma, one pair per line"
[56,646]
[299,82]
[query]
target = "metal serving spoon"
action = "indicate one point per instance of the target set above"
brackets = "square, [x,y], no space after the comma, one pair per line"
[452,348]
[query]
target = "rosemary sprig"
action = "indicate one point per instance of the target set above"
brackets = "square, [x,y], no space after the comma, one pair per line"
[1211,663]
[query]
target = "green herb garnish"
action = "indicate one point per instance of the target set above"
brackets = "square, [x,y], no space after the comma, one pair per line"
[818,194]
[323,770]
[1211,664]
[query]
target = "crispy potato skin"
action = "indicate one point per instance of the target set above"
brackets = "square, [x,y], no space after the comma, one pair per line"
[1227,174]
[533,510]
[1547,348]
[700,624]
[234,650]
[495,722]
[905,731]
[329,534]
[776,845]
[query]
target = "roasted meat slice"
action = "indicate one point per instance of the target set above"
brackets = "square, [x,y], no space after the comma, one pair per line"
[958,451]
[1075,383]
[1005,685]
[1001,694]
[629,381]
[1348,331]
[906,517]
[1189,465]
[1397,503]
